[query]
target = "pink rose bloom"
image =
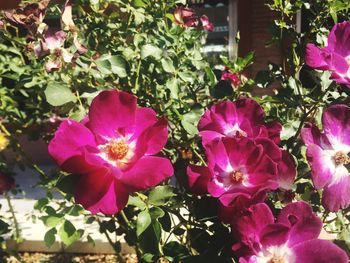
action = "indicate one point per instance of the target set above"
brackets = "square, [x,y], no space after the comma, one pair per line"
[113,151]
[334,57]
[241,169]
[241,118]
[186,17]
[232,78]
[292,238]
[328,156]
[6,183]
[207,25]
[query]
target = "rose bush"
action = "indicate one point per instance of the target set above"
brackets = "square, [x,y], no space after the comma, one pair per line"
[166,150]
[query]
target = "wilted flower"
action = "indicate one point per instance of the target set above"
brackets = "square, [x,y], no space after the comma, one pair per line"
[112,150]
[334,57]
[292,238]
[6,183]
[239,168]
[242,118]
[328,155]
[186,17]
[232,78]
[29,16]
[3,141]
[207,25]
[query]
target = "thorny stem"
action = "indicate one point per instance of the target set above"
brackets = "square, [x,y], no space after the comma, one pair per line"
[110,241]
[13,214]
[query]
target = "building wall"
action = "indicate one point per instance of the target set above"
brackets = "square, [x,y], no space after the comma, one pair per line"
[254,18]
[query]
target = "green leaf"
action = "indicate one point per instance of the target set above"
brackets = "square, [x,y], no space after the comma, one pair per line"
[39,205]
[143,222]
[104,65]
[156,213]
[52,221]
[187,76]
[136,201]
[118,66]
[68,233]
[58,94]
[160,195]
[173,86]
[49,237]
[150,50]
[139,3]
[168,65]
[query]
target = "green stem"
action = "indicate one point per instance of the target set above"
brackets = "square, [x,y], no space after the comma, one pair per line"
[15,222]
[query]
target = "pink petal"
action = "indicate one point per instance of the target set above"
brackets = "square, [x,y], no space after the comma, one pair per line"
[69,140]
[111,112]
[319,251]
[274,129]
[154,138]
[339,38]
[336,124]
[314,57]
[336,195]
[286,171]
[198,178]
[274,235]
[147,172]
[100,192]
[321,167]
[250,226]
[304,223]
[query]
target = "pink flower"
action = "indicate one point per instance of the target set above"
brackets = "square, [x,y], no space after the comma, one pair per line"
[232,78]
[186,17]
[207,25]
[328,155]
[334,57]
[113,150]
[242,118]
[6,183]
[241,168]
[292,238]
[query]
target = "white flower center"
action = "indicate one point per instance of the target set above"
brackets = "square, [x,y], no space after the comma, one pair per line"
[117,152]
[234,131]
[275,254]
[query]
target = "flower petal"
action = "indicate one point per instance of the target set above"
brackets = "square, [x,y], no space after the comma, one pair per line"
[336,195]
[286,171]
[111,112]
[314,57]
[198,178]
[336,124]
[69,139]
[100,192]
[147,172]
[339,37]
[319,251]
[322,166]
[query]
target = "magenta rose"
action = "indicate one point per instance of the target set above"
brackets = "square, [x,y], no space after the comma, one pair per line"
[186,17]
[292,238]
[241,118]
[113,151]
[241,170]
[334,57]
[206,24]
[328,155]
[6,183]
[232,78]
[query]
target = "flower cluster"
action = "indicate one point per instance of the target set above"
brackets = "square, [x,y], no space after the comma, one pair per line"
[328,155]
[187,17]
[112,150]
[292,238]
[244,159]
[335,56]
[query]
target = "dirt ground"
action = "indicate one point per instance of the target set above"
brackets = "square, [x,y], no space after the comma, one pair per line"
[65,258]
